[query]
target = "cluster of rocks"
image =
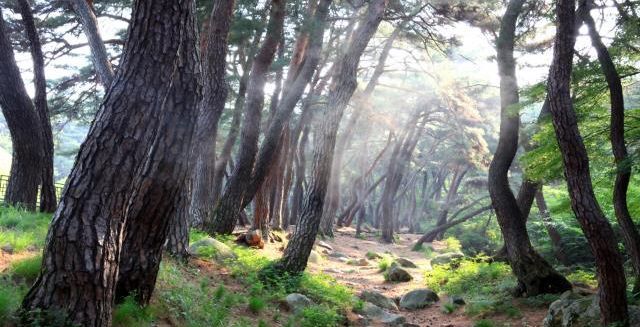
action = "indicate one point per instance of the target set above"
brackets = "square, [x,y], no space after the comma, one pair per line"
[378,309]
[573,309]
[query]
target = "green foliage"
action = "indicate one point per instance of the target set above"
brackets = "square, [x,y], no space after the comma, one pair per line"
[485,323]
[485,285]
[23,229]
[319,316]
[130,313]
[449,308]
[27,269]
[10,296]
[584,277]
[452,245]
[190,301]
[256,304]
[385,263]
[196,235]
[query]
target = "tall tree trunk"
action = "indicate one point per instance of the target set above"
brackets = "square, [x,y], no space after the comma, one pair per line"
[299,78]
[178,238]
[99,55]
[210,109]
[130,169]
[48,201]
[618,145]
[598,231]
[231,202]
[431,235]
[534,274]
[24,128]
[343,85]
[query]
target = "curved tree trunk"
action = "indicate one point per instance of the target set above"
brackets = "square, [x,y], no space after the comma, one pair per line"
[618,144]
[534,274]
[431,235]
[598,231]
[48,201]
[232,200]
[23,122]
[129,170]
[343,85]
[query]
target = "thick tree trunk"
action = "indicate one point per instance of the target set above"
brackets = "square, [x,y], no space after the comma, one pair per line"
[130,170]
[618,144]
[232,200]
[534,274]
[99,54]
[48,201]
[343,85]
[178,238]
[210,109]
[24,128]
[598,231]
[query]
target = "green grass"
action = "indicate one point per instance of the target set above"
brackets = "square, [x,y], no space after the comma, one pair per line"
[452,245]
[485,286]
[23,229]
[256,304]
[130,313]
[485,323]
[319,316]
[27,269]
[584,277]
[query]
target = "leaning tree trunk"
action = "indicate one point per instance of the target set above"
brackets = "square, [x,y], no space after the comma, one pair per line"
[129,170]
[618,145]
[535,275]
[596,227]
[48,201]
[343,85]
[214,65]
[24,128]
[231,202]
[99,55]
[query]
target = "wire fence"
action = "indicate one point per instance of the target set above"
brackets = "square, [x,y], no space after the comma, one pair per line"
[4,181]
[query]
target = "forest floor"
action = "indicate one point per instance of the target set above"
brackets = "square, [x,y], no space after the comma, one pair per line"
[209,292]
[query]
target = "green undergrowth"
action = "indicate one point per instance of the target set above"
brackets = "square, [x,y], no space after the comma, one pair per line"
[194,298]
[484,286]
[14,284]
[23,230]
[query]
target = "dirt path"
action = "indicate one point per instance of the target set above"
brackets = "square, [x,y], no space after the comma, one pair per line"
[369,278]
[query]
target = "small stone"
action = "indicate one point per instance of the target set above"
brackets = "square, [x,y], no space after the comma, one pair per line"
[418,299]
[373,256]
[323,244]
[378,299]
[314,257]
[406,263]
[457,300]
[360,262]
[7,248]
[397,274]
[296,302]
[337,255]
[378,316]
[445,258]
[220,250]
[332,271]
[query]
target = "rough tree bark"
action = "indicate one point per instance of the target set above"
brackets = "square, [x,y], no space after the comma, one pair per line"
[343,85]
[129,170]
[99,55]
[210,109]
[231,203]
[618,145]
[534,274]
[23,122]
[48,201]
[598,231]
